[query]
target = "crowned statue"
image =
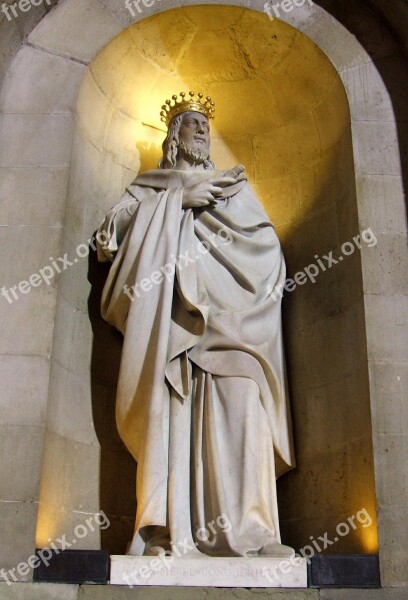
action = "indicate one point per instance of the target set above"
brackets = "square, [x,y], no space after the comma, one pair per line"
[202,401]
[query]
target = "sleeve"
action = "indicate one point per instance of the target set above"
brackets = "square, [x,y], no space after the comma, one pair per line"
[112,231]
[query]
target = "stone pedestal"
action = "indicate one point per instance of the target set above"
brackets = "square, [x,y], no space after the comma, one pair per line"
[209,572]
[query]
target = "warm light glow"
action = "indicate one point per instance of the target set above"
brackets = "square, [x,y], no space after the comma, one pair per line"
[47,525]
[268,106]
[369,539]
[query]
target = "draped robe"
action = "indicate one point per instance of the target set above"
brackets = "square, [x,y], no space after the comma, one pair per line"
[202,399]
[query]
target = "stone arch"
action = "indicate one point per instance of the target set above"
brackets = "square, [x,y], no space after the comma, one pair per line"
[64,42]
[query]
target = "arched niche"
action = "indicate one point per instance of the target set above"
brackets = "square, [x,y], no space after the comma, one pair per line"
[283,112]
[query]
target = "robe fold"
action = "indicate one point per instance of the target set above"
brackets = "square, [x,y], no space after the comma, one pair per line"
[202,400]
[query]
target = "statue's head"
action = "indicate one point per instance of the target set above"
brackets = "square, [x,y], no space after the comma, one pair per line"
[188,135]
[188,132]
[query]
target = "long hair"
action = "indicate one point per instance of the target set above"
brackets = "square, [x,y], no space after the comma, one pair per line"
[171,144]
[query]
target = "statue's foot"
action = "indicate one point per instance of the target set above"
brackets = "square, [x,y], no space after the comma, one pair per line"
[178,551]
[154,550]
[276,550]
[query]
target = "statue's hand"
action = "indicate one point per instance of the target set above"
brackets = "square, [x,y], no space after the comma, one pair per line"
[205,192]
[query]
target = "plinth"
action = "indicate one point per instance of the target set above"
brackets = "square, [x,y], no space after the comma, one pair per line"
[237,572]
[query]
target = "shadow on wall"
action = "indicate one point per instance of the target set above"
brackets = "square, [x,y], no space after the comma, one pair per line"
[150,155]
[117,467]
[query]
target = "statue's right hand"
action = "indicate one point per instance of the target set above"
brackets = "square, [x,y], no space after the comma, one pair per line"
[205,192]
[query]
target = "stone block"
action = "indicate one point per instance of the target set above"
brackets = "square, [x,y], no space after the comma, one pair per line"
[76,29]
[35,247]
[342,337]
[322,489]
[98,176]
[38,591]
[287,149]
[35,140]
[262,119]
[392,473]
[257,572]
[302,17]
[316,236]
[152,40]
[75,210]
[121,140]
[332,115]
[70,404]
[99,592]
[21,449]
[340,45]
[81,529]
[219,17]
[327,180]
[364,82]
[393,547]
[201,63]
[280,197]
[10,39]
[382,594]
[381,204]
[72,340]
[94,111]
[127,77]
[384,264]
[361,491]
[94,216]
[389,389]
[344,415]
[28,308]
[81,483]
[53,472]
[124,16]
[73,283]
[27,324]
[24,397]
[18,524]
[32,196]
[40,82]
[376,148]
[387,327]
[305,533]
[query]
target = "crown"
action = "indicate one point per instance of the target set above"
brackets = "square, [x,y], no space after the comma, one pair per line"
[204,106]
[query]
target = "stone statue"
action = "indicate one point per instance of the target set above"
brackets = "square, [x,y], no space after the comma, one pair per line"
[201,402]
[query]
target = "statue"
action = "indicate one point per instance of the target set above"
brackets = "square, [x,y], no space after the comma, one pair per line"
[202,400]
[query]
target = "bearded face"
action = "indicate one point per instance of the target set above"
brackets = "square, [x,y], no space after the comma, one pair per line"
[194,136]
[189,137]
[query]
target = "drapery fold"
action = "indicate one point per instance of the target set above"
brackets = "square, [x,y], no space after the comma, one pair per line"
[213,308]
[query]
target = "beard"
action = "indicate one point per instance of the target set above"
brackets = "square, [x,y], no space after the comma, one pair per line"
[194,151]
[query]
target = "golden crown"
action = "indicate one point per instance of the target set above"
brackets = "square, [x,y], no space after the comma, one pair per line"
[204,106]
